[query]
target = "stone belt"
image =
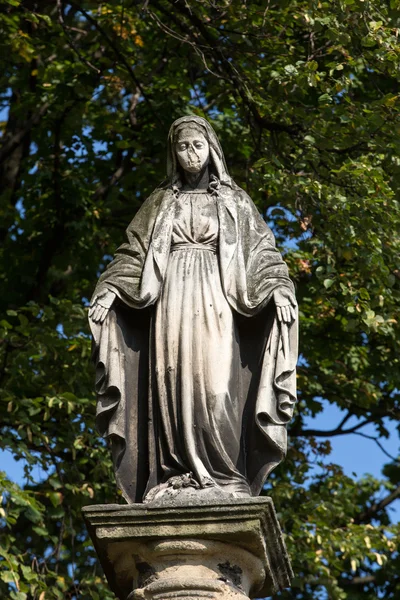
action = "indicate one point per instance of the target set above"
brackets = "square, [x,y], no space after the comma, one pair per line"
[185,246]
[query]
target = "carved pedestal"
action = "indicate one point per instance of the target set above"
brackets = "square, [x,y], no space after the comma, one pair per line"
[231,550]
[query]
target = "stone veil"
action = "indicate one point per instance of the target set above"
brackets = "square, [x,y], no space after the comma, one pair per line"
[194,371]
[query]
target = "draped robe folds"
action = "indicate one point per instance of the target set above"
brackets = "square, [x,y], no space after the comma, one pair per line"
[251,269]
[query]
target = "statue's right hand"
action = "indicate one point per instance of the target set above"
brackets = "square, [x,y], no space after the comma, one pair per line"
[100,306]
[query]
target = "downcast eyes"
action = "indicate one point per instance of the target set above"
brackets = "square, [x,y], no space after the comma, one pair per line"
[184,146]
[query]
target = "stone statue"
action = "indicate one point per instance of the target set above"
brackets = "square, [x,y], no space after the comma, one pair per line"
[195,335]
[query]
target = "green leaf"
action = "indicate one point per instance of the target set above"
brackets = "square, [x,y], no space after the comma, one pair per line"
[328,283]
[325,98]
[7,576]
[40,531]
[18,595]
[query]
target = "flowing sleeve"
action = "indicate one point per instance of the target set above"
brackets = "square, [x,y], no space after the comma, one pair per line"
[125,274]
[251,266]
[120,350]
[264,266]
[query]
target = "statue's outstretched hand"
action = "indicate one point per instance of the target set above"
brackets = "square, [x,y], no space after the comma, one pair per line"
[100,306]
[286,304]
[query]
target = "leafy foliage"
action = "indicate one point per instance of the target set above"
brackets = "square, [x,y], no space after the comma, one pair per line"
[305,98]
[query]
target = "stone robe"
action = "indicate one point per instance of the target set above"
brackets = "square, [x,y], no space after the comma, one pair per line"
[151,442]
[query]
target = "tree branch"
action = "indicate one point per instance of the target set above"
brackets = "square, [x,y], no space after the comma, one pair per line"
[71,43]
[56,236]
[333,432]
[378,443]
[378,506]
[120,171]
[14,141]
[118,54]
[227,67]
[358,580]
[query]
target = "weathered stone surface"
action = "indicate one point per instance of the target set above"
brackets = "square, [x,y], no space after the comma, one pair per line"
[231,550]
[195,345]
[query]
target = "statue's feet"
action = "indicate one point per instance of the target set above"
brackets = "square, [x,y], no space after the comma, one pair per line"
[183,489]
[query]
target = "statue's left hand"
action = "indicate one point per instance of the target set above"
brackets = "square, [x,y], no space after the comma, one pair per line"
[286,304]
[100,306]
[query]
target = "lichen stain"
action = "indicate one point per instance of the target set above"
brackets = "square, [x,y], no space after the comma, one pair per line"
[232,572]
[146,574]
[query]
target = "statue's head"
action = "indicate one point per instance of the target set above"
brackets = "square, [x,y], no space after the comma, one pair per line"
[193,144]
[191,147]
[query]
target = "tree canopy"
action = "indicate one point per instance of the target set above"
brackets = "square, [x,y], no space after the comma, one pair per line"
[304,95]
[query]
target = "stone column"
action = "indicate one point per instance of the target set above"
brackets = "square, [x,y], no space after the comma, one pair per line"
[231,550]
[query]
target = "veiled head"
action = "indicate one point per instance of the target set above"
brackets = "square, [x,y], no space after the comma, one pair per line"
[189,131]
[191,147]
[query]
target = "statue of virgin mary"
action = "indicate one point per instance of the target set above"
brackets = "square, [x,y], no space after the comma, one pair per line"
[195,334]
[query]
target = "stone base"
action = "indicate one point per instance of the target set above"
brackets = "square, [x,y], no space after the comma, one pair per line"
[231,550]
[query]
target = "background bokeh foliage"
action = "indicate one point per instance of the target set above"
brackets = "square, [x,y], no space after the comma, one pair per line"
[305,98]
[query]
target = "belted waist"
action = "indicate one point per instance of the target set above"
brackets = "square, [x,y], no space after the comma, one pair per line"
[185,246]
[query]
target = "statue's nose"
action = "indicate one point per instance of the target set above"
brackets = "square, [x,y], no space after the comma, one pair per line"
[192,152]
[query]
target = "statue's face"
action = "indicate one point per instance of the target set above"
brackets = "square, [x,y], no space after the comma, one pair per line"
[192,150]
